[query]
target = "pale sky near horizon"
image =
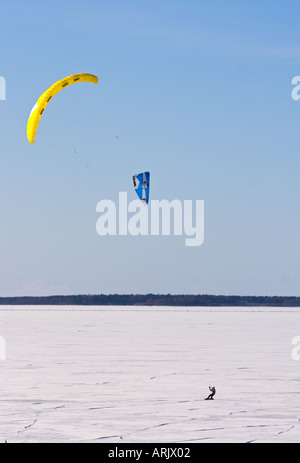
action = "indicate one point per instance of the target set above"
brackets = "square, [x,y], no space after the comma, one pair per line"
[198,93]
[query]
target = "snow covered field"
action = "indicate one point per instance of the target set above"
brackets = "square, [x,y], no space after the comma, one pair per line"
[113,374]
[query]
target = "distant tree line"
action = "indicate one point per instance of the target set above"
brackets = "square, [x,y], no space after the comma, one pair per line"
[154,300]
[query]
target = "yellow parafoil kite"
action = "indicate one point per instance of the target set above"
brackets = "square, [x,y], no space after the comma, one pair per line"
[39,107]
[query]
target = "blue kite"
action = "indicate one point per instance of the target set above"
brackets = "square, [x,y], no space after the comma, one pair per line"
[141,184]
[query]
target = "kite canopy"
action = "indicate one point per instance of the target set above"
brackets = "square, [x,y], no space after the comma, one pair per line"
[141,184]
[40,106]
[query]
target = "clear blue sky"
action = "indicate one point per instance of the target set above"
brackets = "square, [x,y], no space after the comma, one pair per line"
[197,92]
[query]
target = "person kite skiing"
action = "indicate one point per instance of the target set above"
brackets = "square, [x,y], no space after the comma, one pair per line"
[212,393]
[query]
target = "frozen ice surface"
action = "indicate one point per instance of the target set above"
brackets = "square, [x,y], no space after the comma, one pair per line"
[130,374]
